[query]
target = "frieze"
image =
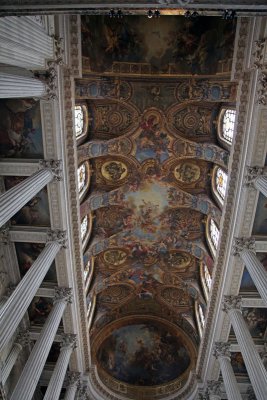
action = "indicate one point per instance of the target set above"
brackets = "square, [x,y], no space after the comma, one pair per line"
[262,88]
[239,57]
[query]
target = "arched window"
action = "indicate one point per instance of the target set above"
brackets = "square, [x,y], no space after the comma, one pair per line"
[207,277]
[214,233]
[88,271]
[83,175]
[84,227]
[201,316]
[221,182]
[227,125]
[81,121]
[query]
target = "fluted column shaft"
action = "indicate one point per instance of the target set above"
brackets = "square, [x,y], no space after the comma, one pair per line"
[71,392]
[260,183]
[256,271]
[16,86]
[24,43]
[28,380]
[229,379]
[55,385]
[255,368]
[15,198]
[10,361]
[16,306]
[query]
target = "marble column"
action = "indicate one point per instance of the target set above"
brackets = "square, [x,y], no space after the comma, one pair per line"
[245,249]
[68,344]
[213,390]
[30,375]
[22,340]
[73,381]
[17,304]
[223,355]
[20,86]
[24,43]
[254,365]
[15,198]
[257,177]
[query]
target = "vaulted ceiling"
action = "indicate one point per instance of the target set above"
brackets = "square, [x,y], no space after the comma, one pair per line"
[154,89]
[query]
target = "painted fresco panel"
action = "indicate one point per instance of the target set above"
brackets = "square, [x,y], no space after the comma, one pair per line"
[35,212]
[27,254]
[143,354]
[260,222]
[256,319]
[238,364]
[170,44]
[40,309]
[20,129]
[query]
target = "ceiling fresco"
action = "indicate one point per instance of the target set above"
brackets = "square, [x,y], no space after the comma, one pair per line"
[152,146]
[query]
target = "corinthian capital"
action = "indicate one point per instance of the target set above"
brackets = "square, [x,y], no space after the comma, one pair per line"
[57,236]
[23,338]
[252,173]
[54,165]
[63,294]
[222,349]
[73,378]
[4,235]
[232,303]
[214,387]
[243,243]
[69,340]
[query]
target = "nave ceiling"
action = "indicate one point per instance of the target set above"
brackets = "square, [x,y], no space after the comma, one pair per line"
[154,91]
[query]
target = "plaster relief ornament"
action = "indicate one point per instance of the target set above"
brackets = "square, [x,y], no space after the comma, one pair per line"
[114,171]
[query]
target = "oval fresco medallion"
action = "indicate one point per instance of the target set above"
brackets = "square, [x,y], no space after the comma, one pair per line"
[178,260]
[115,257]
[114,171]
[144,354]
[187,172]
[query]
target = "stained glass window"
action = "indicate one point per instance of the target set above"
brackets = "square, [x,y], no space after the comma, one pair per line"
[228,124]
[201,316]
[221,182]
[214,233]
[78,121]
[207,277]
[84,227]
[81,177]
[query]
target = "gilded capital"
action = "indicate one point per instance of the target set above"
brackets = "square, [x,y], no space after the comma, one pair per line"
[221,349]
[232,303]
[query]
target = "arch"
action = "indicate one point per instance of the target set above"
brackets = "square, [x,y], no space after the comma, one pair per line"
[81,120]
[219,184]
[226,126]
[91,306]
[213,235]
[206,279]
[83,175]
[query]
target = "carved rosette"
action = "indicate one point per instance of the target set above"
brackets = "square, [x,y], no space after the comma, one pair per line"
[57,236]
[253,173]
[243,244]
[232,303]
[69,341]
[222,349]
[4,236]
[63,293]
[55,166]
